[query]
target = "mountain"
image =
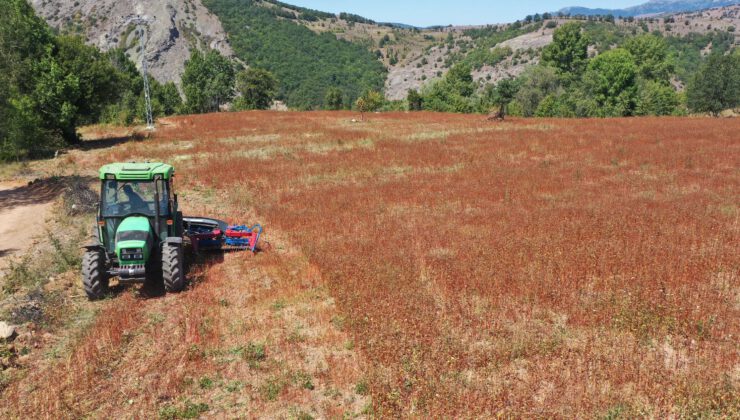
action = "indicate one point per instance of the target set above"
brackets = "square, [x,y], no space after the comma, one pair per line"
[652,7]
[312,51]
[172,27]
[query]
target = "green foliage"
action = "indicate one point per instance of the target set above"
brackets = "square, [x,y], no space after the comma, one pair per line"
[604,36]
[486,39]
[131,106]
[656,98]
[97,79]
[454,93]
[568,52]
[188,410]
[208,81]
[611,81]
[686,51]
[333,99]
[310,15]
[650,53]
[48,84]
[257,88]
[168,96]
[370,101]
[349,17]
[535,84]
[716,85]
[501,94]
[460,80]
[415,100]
[487,57]
[307,64]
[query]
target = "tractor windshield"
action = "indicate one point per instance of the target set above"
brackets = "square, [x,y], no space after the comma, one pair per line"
[122,198]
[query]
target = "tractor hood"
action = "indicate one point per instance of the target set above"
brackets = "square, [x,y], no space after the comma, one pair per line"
[134,239]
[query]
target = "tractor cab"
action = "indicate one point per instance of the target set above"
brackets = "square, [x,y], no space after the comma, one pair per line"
[139,228]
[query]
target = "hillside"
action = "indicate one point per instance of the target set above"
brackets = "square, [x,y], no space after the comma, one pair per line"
[691,36]
[173,28]
[312,51]
[306,64]
[653,7]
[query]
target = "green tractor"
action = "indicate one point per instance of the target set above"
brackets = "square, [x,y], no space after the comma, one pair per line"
[139,230]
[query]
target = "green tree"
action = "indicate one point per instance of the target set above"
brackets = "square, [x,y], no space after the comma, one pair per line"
[611,81]
[453,93]
[370,101]
[716,85]
[415,100]
[208,81]
[460,80]
[650,53]
[502,94]
[170,98]
[568,52]
[551,106]
[90,83]
[334,99]
[54,94]
[257,87]
[536,83]
[656,98]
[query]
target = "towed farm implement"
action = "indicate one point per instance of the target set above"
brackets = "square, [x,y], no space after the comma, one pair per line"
[140,234]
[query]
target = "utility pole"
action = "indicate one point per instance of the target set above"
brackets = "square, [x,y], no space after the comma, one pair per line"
[143,22]
[147,95]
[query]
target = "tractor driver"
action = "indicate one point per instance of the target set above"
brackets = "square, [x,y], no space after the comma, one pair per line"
[134,199]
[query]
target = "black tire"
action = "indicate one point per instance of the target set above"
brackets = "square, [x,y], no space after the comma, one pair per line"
[173,272]
[94,276]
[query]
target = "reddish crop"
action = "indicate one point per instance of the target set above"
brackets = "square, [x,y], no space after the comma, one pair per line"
[532,268]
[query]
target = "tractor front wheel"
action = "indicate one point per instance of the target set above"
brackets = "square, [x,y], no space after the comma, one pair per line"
[94,276]
[173,272]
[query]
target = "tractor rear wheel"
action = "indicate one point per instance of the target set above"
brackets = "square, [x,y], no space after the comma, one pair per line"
[94,276]
[173,272]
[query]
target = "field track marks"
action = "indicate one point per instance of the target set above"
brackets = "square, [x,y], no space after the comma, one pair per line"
[251,336]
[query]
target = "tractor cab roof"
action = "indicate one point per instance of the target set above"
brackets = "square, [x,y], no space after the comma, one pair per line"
[136,171]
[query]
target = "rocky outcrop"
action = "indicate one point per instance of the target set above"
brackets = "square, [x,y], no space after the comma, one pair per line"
[171,29]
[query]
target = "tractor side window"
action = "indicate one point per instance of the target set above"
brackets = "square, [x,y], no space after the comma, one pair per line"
[110,198]
[164,198]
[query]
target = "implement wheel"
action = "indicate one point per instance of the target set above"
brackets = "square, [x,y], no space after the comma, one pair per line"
[94,276]
[173,272]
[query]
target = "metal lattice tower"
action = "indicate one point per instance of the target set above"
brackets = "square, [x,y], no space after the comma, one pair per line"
[147,95]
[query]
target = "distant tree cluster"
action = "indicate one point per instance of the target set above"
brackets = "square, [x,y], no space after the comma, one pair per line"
[349,17]
[634,78]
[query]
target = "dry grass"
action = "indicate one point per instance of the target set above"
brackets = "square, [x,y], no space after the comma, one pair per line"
[533,268]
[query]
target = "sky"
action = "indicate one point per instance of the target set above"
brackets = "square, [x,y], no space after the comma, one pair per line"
[452,12]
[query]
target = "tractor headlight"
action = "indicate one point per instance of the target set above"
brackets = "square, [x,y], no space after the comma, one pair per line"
[132,254]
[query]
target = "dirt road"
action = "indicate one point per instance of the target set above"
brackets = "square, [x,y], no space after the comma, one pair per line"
[23,208]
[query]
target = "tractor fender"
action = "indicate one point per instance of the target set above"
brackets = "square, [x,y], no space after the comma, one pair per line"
[93,247]
[173,240]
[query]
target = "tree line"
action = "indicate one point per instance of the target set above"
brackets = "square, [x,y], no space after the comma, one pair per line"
[635,78]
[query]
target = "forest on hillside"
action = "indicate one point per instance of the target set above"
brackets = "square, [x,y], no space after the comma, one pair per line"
[307,65]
